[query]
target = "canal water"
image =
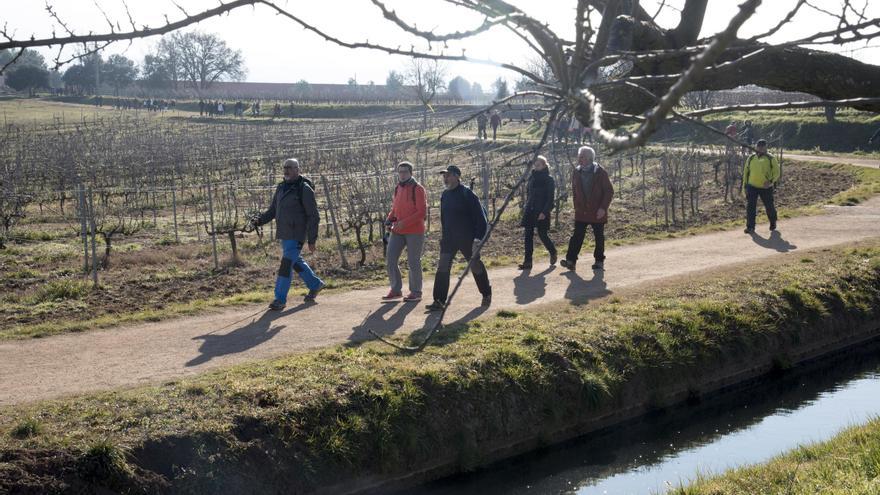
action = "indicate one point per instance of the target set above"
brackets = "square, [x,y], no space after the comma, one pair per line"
[653,454]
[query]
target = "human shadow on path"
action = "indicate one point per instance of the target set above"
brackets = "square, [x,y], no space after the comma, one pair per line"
[775,242]
[450,331]
[581,291]
[380,325]
[243,338]
[527,288]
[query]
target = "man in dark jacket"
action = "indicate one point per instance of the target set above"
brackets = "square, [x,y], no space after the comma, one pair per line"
[482,120]
[495,121]
[295,212]
[536,212]
[463,224]
[593,193]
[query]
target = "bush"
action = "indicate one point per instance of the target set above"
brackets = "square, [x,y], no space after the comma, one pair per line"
[29,427]
[62,290]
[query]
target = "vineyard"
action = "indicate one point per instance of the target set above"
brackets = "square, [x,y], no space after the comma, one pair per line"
[124,215]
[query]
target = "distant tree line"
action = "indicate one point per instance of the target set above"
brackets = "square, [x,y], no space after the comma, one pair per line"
[192,59]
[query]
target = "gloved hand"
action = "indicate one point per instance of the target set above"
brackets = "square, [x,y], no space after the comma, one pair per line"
[255,219]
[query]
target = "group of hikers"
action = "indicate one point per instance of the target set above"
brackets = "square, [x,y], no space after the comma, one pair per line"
[464,223]
[746,135]
[493,119]
[149,104]
[566,129]
[569,129]
[212,108]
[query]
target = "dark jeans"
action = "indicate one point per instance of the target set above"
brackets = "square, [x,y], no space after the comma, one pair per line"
[577,241]
[543,226]
[752,195]
[444,266]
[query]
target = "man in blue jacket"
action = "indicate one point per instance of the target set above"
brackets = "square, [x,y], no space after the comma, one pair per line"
[295,212]
[464,224]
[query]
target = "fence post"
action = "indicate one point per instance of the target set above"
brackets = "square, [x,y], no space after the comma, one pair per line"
[213,231]
[81,198]
[94,242]
[174,206]
[335,224]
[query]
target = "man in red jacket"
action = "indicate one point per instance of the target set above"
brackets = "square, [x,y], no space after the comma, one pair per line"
[406,221]
[593,193]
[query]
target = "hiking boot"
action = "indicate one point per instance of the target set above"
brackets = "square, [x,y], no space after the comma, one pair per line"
[552,259]
[436,306]
[772,227]
[487,301]
[568,264]
[391,296]
[313,293]
[599,265]
[413,297]
[524,266]
[749,231]
[277,305]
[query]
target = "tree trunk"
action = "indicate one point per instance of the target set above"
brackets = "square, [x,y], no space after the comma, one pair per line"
[233,245]
[361,247]
[108,243]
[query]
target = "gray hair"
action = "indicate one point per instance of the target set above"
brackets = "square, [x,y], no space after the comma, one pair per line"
[586,150]
[542,158]
[291,161]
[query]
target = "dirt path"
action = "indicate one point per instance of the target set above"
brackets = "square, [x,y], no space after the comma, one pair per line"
[851,160]
[146,353]
[860,162]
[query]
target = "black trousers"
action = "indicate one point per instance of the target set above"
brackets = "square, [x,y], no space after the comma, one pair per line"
[444,267]
[766,195]
[543,226]
[577,241]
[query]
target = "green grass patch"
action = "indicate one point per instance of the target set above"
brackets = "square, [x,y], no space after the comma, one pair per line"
[848,463]
[319,418]
[27,428]
[62,290]
[867,186]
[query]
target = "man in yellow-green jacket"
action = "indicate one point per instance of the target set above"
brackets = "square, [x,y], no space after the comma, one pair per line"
[760,175]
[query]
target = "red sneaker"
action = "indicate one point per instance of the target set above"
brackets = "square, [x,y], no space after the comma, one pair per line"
[413,297]
[392,296]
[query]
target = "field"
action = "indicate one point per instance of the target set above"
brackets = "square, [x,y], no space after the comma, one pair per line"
[130,201]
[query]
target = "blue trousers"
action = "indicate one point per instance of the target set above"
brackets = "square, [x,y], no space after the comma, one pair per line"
[291,261]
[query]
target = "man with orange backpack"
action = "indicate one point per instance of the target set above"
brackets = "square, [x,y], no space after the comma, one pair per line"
[406,223]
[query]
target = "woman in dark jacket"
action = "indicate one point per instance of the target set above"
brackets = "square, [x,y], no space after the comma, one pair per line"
[541,191]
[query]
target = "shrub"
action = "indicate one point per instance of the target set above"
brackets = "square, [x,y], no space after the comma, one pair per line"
[62,290]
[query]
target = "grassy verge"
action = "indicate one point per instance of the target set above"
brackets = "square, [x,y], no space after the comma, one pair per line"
[806,129]
[867,186]
[848,463]
[326,418]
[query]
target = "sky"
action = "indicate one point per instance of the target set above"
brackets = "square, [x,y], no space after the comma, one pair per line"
[277,50]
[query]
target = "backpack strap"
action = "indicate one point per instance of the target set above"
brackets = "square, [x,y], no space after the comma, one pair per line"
[302,186]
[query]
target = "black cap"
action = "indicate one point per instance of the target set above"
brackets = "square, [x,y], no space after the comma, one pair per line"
[761,142]
[452,169]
